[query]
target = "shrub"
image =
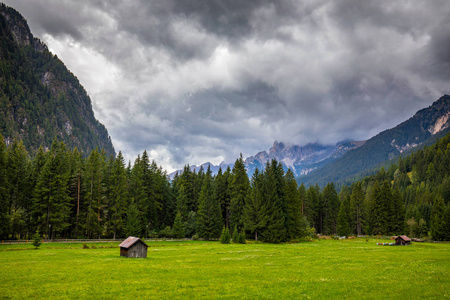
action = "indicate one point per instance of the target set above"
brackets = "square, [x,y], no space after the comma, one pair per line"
[225,237]
[235,235]
[242,238]
[85,246]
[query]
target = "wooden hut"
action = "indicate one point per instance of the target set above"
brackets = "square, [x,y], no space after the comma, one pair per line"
[133,247]
[402,240]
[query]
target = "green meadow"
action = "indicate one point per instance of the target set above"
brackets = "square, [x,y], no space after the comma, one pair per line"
[194,269]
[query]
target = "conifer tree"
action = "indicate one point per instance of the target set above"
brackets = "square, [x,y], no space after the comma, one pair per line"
[4,203]
[133,223]
[225,237]
[93,199]
[209,217]
[36,239]
[19,191]
[331,208]
[255,210]
[397,216]
[438,226]
[275,230]
[222,194]
[239,188]
[343,228]
[178,228]
[51,199]
[235,237]
[118,188]
[293,206]
[357,207]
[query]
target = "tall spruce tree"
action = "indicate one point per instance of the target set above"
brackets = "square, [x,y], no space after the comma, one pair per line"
[239,188]
[275,230]
[3,191]
[293,206]
[19,190]
[222,194]
[438,226]
[118,200]
[255,210]
[357,207]
[209,217]
[331,209]
[51,199]
[344,219]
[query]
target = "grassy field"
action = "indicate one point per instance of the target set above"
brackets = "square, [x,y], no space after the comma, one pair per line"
[321,269]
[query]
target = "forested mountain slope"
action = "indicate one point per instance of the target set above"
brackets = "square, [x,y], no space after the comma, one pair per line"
[422,129]
[40,99]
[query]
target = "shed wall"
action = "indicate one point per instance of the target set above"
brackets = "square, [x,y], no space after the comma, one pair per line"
[138,250]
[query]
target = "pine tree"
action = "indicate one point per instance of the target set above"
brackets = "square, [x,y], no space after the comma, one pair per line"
[239,188]
[397,216]
[225,237]
[275,230]
[331,208]
[209,217]
[357,207]
[438,226]
[36,239]
[293,206]
[94,196]
[118,198]
[51,199]
[4,205]
[235,235]
[255,210]
[177,228]
[343,228]
[19,190]
[133,222]
[222,195]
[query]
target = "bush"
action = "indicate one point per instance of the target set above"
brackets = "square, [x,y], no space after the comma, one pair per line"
[195,237]
[242,238]
[225,237]
[85,246]
[166,232]
[235,235]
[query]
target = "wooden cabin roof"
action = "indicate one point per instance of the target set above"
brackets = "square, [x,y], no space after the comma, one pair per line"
[130,241]
[404,237]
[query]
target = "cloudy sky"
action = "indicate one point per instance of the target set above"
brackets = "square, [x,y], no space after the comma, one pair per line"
[204,80]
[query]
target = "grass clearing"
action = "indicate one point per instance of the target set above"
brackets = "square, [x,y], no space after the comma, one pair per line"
[327,268]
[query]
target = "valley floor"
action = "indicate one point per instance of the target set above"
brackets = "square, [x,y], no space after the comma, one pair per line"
[195,269]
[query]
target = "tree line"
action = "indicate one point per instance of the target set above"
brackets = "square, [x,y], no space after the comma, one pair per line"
[63,194]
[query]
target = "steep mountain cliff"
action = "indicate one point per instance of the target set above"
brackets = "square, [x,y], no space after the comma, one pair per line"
[40,99]
[422,129]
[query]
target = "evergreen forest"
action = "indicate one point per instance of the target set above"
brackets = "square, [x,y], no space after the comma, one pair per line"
[62,193]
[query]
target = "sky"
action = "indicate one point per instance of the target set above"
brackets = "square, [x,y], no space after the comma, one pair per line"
[203,81]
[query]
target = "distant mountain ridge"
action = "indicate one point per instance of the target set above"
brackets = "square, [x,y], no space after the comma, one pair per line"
[40,99]
[422,129]
[300,159]
[349,161]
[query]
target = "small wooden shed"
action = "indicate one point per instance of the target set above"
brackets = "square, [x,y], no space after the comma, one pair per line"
[133,247]
[402,240]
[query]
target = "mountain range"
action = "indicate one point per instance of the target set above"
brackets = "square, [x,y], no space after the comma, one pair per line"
[40,99]
[346,162]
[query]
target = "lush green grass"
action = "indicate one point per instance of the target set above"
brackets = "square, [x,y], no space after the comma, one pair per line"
[338,269]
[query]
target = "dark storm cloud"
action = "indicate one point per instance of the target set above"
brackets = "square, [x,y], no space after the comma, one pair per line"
[195,81]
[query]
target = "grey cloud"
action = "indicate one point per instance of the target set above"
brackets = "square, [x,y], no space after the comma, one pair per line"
[202,80]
